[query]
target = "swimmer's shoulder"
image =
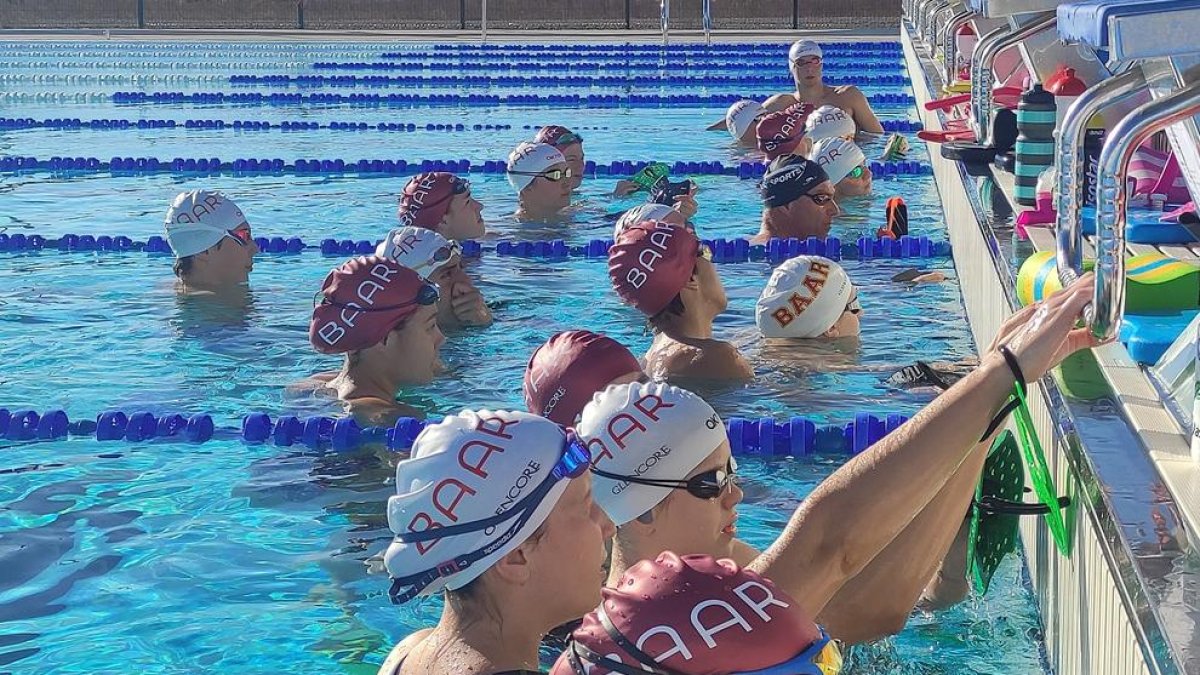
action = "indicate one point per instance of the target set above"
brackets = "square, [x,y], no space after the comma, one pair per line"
[706,359]
[391,665]
[374,412]
[779,102]
[315,383]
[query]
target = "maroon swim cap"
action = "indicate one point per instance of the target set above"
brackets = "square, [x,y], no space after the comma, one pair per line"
[565,372]
[426,199]
[780,132]
[361,301]
[695,615]
[557,136]
[651,262]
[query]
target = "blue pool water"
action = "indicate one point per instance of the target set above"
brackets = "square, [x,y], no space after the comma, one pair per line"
[169,557]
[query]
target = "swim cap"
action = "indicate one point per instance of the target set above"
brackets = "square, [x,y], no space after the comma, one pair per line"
[803,299]
[651,262]
[461,470]
[531,158]
[360,302]
[649,430]
[787,178]
[564,373]
[557,136]
[198,219]
[779,133]
[426,199]
[420,250]
[640,213]
[803,48]
[694,615]
[829,121]
[741,117]
[838,157]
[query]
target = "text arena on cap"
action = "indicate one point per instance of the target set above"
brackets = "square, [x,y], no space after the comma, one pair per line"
[334,330]
[474,456]
[814,281]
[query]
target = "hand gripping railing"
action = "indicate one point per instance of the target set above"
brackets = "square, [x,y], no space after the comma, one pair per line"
[981,69]
[1069,165]
[1108,303]
[950,45]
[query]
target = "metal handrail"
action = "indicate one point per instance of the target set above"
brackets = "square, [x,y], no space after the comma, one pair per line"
[927,23]
[1069,165]
[923,8]
[1108,302]
[665,17]
[981,69]
[950,44]
[706,18]
[942,17]
[483,21]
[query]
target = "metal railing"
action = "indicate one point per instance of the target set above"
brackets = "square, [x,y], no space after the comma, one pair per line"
[981,69]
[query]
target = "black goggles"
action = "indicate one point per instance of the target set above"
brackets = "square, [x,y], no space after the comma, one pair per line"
[428,294]
[707,485]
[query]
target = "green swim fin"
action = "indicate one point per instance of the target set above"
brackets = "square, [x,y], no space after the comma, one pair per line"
[994,535]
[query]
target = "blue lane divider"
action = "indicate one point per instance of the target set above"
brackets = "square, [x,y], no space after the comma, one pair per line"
[241,125]
[589,100]
[151,48]
[549,81]
[534,66]
[763,437]
[775,51]
[889,125]
[213,166]
[724,250]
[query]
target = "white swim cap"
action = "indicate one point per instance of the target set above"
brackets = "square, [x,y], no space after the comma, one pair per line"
[648,430]
[531,158]
[803,48]
[803,299]
[197,220]
[420,250]
[640,213]
[741,117]
[462,470]
[838,157]
[829,121]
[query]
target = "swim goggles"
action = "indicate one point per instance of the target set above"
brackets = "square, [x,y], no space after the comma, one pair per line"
[822,657]
[241,235]
[438,258]
[460,186]
[807,60]
[853,305]
[705,251]
[554,175]
[857,172]
[820,199]
[573,463]
[707,485]
[427,294]
[567,139]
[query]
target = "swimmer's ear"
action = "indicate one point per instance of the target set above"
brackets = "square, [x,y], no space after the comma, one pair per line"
[515,567]
[693,284]
[832,332]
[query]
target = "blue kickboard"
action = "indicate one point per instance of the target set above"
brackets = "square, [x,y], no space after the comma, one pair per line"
[1142,226]
[1148,336]
[1087,22]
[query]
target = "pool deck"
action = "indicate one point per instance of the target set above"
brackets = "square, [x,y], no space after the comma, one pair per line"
[1121,603]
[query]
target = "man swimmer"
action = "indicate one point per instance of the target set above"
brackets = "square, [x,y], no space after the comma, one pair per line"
[664,272]
[439,260]
[441,202]
[805,62]
[798,200]
[383,318]
[211,239]
[542,178]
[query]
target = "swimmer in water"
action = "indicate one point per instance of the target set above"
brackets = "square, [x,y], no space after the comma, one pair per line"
[570,144]
[805,61]
[383,318]
[441,202]
[798,200]
[845,165]
[664,272]
[542,178]
[439,260]
[783,133]
[520,568]
[564,373]
[741,120]
[649,211]
[211,239]
[829,121]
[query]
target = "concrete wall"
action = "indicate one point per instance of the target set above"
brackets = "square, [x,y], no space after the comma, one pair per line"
[442,14]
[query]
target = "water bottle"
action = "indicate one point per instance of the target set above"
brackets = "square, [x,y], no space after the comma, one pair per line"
[1035,141]
[1093,143]
[964,45]
[1066,87]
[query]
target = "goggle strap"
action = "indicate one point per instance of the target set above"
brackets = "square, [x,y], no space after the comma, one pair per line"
[624,643]
[525,504]
[576,651]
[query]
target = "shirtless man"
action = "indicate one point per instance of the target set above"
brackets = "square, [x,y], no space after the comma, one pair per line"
[805,65]
[210,237]
[665,272]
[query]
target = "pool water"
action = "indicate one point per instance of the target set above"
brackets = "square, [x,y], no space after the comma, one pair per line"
[171,557]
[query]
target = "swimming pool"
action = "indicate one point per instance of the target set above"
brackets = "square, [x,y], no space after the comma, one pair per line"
[170,557]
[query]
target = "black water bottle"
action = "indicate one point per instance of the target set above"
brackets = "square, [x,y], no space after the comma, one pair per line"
[1093,143]
[1036,117]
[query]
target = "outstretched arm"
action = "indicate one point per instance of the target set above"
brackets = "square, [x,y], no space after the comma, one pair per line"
[855,513]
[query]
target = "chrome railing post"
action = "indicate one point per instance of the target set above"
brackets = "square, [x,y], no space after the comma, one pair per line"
[950,45]
[1069,165]
[1108,303]
[664,9]
[940,19]
[927,21]
[483,22]
[981,69]
[706,16]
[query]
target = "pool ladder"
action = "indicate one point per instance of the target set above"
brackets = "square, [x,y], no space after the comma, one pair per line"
[664,16]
